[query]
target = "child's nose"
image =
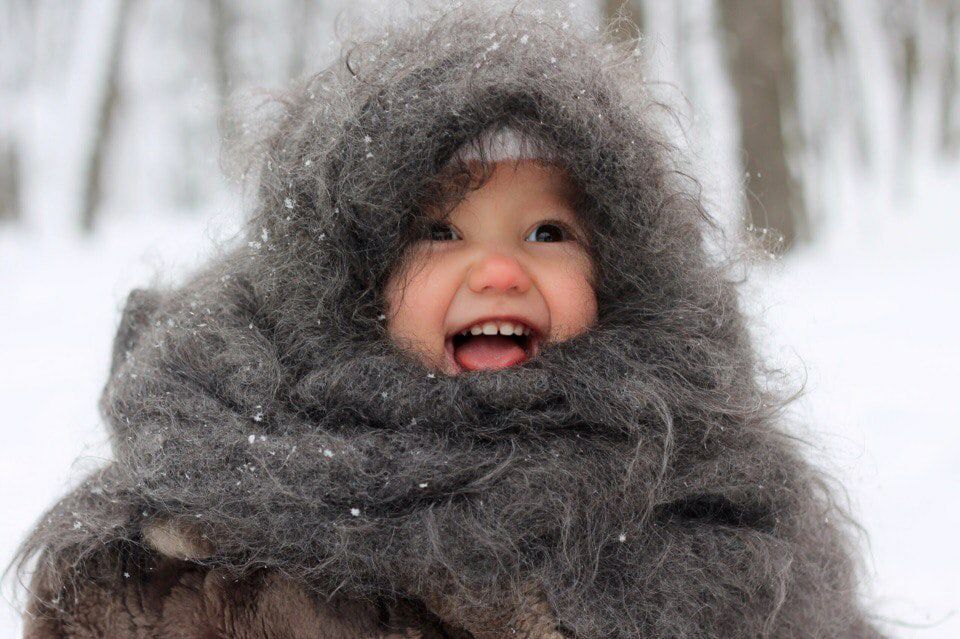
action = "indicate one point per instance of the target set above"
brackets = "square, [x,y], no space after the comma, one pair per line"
[497,272]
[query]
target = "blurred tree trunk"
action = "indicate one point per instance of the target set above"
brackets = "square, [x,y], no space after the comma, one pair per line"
[10,177]
[17,44]
[225,19]
[901,24]
[836,40]
[304,16]
[763,74]
[906,47]
[950,96]
[106,123]
[224,24]
[616,12]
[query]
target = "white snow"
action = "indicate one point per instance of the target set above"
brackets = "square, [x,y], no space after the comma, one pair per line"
[60,299]
[869,322]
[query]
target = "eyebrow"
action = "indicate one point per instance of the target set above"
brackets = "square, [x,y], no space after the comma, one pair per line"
[562,183]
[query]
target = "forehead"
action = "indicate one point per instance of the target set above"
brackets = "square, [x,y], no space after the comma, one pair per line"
[524,181]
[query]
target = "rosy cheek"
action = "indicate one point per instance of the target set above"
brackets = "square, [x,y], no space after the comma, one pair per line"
[573,305]
[583,311]
[417,311]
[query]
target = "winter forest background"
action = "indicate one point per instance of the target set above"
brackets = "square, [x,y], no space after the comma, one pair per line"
[828,129]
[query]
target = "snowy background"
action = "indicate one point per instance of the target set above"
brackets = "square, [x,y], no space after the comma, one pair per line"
[862,308]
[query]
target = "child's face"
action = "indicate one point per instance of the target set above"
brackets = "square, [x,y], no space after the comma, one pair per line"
[510,263]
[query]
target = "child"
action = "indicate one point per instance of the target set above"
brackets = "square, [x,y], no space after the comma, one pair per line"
[473,375]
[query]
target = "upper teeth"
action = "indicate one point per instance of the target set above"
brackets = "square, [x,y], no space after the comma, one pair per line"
[494,328]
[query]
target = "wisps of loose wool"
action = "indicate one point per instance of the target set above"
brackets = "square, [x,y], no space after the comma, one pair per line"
[635,474]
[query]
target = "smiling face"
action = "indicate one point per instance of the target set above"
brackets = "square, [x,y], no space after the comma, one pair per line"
[505,272]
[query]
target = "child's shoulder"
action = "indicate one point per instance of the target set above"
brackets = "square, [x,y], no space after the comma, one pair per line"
[159,590]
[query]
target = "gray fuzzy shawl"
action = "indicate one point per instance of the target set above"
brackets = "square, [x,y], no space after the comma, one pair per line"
[635,474]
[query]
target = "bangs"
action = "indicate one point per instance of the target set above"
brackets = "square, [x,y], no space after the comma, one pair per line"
[473,164]
[504,143]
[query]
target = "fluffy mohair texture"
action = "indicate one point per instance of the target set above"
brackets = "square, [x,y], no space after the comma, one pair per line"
[635,475]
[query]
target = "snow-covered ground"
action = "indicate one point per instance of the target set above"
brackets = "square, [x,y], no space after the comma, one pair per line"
[60,299]
[871,319]
[870,324]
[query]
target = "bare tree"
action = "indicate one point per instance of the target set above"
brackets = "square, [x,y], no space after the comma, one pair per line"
[10,177]
[763,74]
[950,86]
[304,15]
[224,24]
[17,22]
[836,41]
[106,122]
[902,28]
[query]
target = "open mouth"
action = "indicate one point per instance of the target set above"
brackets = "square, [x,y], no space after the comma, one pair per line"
[492,345]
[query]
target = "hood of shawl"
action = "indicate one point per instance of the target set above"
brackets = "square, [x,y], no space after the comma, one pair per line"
[356,149]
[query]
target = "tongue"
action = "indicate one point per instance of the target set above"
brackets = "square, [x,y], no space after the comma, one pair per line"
[487,352]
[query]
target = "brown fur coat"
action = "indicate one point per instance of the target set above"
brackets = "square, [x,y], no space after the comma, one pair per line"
[168,594]
[183,600]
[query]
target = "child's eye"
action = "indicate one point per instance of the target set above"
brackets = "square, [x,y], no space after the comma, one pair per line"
[548,232]
[443,232]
